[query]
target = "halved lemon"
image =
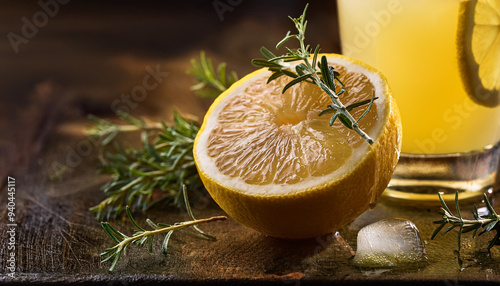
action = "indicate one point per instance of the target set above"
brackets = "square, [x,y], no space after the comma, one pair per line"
[274,165]
[478,46]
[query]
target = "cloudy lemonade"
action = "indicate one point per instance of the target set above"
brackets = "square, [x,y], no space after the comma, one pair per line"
[414,44]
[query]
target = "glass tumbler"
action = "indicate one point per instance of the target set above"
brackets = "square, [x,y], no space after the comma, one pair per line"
[427,51]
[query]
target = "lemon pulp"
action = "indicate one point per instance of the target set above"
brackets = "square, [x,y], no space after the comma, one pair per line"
[266,137]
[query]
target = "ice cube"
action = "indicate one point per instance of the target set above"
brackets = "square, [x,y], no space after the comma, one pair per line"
[389,243]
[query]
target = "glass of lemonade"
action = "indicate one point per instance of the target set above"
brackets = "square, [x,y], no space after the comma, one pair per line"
[444,71]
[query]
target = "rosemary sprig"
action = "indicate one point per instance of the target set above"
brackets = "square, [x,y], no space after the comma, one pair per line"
[165,162]
[486,222]
[326,77]
[211,83]
[141,236]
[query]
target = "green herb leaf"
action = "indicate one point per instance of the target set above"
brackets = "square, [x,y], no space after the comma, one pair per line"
[334,117]
[359,104]
[265,63]
[347,123]
[267,53]
[438,229]
[368,108]
[285,39]
[274,76]
[295,81]
[327,111]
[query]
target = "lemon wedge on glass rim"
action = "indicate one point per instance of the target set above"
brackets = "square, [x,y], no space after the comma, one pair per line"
[478,46]
[274,165]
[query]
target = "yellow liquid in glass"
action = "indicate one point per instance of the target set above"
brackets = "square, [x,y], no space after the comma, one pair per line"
[413,43]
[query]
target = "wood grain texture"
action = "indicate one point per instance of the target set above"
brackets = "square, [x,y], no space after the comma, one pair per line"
[85,58]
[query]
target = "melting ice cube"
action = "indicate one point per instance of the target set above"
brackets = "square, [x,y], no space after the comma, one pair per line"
[388,243]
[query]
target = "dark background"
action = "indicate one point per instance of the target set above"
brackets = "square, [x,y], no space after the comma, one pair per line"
[88,53]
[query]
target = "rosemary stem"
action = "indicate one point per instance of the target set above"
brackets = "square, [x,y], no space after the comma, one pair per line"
[127,240]
[468,222]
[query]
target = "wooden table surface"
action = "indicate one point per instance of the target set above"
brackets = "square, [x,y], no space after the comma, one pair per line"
[85,57]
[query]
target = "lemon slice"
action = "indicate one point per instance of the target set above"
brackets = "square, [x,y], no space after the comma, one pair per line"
[478,46]
[274,165]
